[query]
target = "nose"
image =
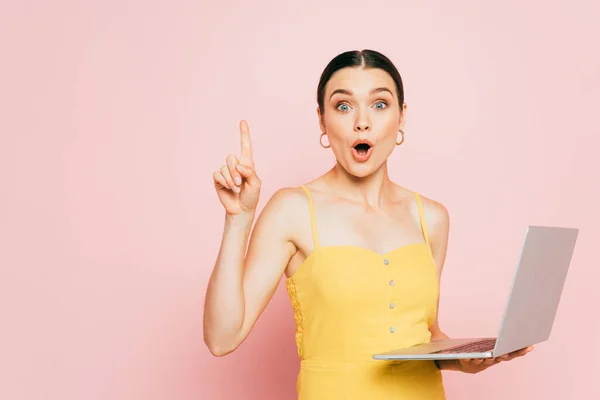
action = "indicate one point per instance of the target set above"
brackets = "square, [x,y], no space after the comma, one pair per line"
[362,126]
[362,123]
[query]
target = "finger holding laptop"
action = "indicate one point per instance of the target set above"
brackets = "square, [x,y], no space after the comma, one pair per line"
[475,365]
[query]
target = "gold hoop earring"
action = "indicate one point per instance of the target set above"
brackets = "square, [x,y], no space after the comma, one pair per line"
[402,141]
[321,141]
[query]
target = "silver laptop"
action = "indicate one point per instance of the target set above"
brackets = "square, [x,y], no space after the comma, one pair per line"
[532,303]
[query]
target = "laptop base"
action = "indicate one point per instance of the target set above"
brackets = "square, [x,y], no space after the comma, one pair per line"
[448,349]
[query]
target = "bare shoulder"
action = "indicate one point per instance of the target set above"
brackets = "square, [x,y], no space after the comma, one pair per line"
[284,210]
[286,200]
[436,215]
[437,221]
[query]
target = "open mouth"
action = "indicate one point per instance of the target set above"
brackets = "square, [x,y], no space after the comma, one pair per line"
[362,148]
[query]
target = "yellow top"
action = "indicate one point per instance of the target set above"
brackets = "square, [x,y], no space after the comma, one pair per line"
[350,303]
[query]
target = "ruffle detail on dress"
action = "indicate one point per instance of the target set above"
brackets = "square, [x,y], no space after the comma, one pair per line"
[291,289]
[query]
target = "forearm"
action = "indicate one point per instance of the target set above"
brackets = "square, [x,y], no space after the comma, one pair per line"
[224,307]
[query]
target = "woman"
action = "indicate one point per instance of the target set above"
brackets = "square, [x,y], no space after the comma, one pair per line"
[362,255]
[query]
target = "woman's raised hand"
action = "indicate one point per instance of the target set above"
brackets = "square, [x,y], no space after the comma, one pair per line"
[237,184]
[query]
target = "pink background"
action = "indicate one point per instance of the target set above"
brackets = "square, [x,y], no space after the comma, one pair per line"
[113,115]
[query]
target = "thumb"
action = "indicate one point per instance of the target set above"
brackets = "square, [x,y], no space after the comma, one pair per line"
[249,174]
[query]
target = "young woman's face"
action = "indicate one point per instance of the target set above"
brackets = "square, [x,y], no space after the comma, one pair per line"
[362,118]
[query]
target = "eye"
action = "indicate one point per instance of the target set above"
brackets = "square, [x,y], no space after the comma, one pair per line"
[343,107]
[381,105]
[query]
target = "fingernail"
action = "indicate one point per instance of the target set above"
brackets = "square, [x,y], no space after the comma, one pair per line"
[236,189]
[237,180]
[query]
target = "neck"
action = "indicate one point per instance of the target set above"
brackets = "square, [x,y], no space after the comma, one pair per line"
[370,190]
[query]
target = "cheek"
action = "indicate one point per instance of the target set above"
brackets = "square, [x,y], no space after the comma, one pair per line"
[333,118]
[338,128]
[386,128]
[390,127]
[391,120]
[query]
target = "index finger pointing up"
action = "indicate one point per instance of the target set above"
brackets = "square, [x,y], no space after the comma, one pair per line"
[246,158]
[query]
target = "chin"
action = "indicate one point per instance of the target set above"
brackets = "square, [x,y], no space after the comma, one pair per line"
[361,170]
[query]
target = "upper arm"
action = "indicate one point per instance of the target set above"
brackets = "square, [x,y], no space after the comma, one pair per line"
[269,250]
[437,221]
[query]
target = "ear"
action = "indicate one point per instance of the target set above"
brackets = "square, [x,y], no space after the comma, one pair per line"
[321,121]
[402,117]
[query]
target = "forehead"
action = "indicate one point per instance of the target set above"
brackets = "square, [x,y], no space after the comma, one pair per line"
[360,80]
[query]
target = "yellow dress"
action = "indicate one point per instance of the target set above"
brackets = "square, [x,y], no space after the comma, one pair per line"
[349,303]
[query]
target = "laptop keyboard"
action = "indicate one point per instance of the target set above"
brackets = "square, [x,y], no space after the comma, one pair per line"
[479,346]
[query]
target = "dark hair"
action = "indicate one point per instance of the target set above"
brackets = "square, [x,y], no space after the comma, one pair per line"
[359,58]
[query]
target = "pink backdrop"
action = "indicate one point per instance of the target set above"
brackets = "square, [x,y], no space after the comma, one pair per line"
[113,115]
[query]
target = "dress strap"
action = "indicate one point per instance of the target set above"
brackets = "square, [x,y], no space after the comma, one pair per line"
[422,218]
[312,217]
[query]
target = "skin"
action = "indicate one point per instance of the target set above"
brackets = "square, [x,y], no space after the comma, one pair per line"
[377,213]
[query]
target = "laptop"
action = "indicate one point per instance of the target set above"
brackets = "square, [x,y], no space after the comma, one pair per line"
[531,307]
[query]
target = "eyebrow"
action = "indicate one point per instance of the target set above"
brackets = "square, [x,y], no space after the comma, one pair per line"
[349,93]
